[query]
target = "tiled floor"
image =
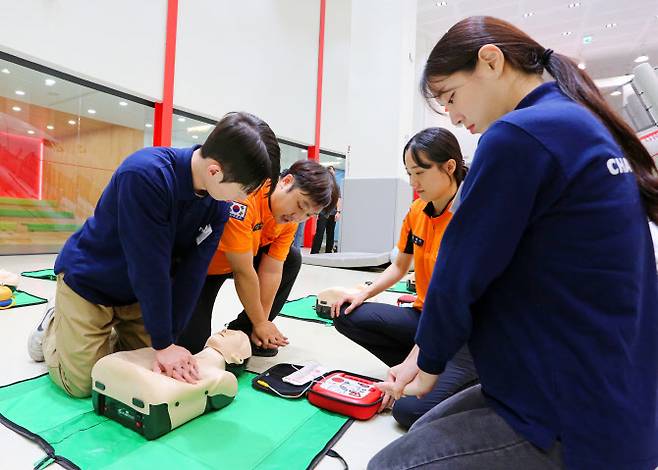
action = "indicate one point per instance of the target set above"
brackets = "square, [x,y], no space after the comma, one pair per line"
[308,341]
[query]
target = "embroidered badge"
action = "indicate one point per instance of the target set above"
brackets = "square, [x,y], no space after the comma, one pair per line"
[258,227]
[417,240]
[238,211]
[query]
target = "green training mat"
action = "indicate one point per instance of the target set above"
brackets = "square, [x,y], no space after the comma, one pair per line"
[400,287]
[48,274]
[25,299]
[303,309]
[256,431]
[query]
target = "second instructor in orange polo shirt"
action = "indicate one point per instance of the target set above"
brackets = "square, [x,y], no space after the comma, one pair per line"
[256,250]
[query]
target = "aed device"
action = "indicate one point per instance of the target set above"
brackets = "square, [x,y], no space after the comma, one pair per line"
[348,394]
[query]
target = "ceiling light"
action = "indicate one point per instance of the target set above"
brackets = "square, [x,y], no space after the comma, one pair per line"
[30,132]
[642,58]
[181,119]
[201,128]
[91,111]
[615,93]
[5,71]
[123,103]
[49,127]
[16,108]
[19,92]
[195,136]
[582,66]
[587,39]
[567,33]
[441,4]
[72,122]
[529,14]
[574,5]
[611,25]
[49,82]
[148,125]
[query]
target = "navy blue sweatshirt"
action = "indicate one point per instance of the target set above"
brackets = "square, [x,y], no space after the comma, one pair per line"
[547,270]
[149,241]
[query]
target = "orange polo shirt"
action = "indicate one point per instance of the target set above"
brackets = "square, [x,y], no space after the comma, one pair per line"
[421,236]
[251,226]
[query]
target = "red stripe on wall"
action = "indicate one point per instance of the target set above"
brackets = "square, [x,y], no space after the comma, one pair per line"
[164,110]
[314,151]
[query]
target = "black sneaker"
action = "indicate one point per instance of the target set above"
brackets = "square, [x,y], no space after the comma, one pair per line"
[263,352]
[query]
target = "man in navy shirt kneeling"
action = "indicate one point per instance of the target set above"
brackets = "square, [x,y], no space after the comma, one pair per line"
[137,265]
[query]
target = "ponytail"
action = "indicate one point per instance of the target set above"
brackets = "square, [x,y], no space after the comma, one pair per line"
[458,50]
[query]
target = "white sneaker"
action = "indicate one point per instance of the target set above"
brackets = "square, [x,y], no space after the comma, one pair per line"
[35,341]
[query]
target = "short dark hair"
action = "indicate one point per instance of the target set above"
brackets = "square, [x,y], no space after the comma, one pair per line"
[315,181]
[246,148]
[439,145]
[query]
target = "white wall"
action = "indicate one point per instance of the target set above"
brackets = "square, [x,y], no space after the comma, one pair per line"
[335,79]
[381,86]
[255,56]
[119,44]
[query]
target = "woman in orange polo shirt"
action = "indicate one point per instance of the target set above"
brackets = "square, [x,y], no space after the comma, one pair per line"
[435,165]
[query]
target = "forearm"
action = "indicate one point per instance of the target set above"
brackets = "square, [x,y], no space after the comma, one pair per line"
[269,285]
[390,276]
[248,288]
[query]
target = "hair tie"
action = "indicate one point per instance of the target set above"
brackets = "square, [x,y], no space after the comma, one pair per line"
[546,56]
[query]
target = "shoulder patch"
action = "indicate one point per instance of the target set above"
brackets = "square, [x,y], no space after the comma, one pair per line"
[237,211]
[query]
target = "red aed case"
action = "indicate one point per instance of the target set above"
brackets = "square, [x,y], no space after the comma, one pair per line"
[348,394]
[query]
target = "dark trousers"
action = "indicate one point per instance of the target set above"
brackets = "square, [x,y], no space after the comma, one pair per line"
[198,329]
[388,332]
[327,224]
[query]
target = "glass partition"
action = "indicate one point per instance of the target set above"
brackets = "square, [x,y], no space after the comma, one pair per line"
[60,141]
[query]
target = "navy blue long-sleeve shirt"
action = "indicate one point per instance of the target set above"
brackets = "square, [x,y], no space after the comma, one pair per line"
[547,270]
[150,241]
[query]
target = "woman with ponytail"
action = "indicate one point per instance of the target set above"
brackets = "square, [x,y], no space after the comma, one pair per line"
[546,271]
[436,169]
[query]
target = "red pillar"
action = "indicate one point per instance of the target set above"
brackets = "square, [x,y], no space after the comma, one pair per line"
[164,111]
[314,150]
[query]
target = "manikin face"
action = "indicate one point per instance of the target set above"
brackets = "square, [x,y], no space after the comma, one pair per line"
[431,183]
[291,205]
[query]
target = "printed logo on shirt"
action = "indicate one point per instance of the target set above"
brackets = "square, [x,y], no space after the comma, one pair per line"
[258,227]
[618,166]
[238,211]
[203,233]
[417,240]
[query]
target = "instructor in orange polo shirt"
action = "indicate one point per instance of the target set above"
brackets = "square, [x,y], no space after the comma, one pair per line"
[256,250]
[436,168]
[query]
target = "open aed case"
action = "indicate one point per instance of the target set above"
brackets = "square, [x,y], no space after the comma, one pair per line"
[339,391]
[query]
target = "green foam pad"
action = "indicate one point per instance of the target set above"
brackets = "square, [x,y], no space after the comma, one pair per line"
[48,274]
[15,201]
[52,227]
[400,287]
[256,431]
[35,213]
[303,309]
[24,299]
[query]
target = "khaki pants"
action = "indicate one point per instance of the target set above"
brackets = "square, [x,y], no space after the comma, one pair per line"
[80,333]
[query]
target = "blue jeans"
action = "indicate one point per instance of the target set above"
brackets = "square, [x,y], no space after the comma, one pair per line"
[464,433]
[388,332]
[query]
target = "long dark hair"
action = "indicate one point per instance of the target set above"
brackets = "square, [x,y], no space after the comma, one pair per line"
[458,50]
[246,148]
[439,145]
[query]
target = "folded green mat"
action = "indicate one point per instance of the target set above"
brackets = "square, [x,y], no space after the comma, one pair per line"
[400,287]
[24,299]
[48,274]
[303,309]
[256,431]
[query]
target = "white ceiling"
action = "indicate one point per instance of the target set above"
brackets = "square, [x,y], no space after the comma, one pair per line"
[612,50]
